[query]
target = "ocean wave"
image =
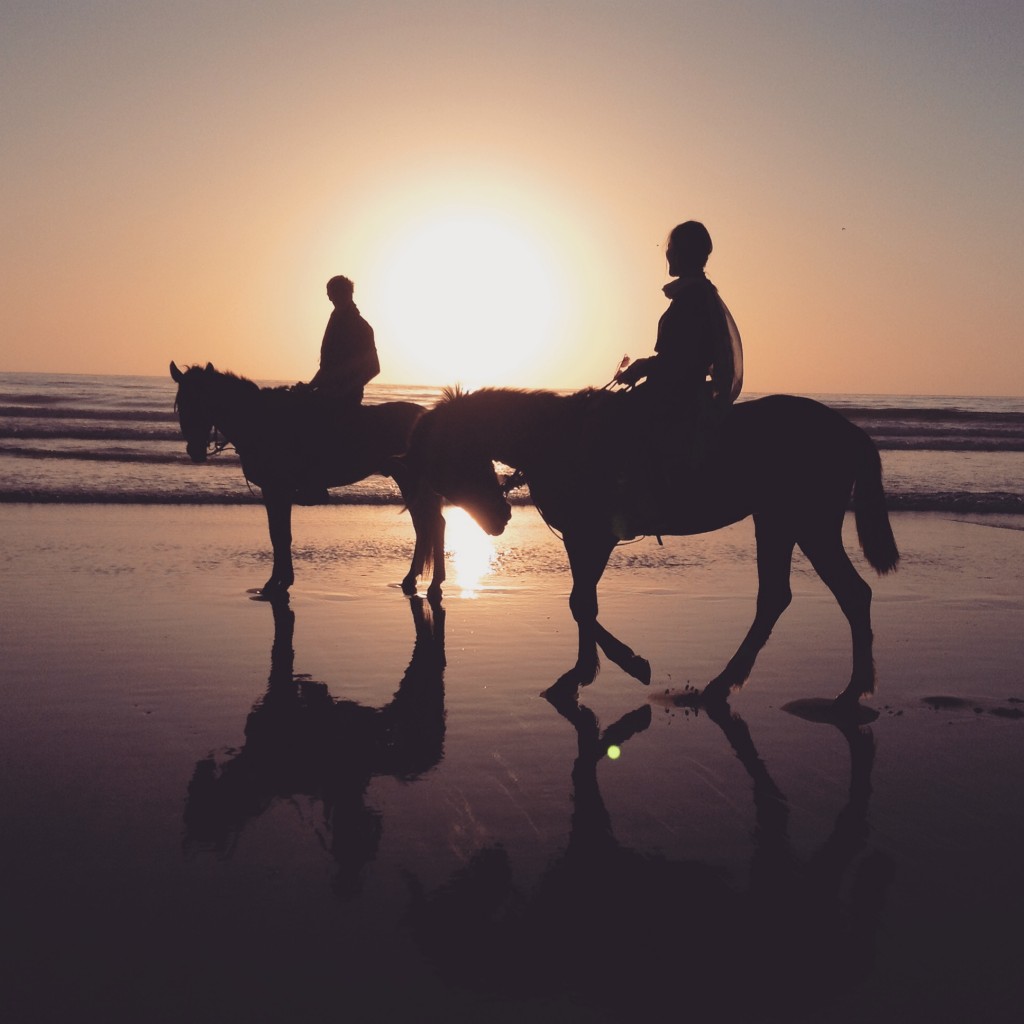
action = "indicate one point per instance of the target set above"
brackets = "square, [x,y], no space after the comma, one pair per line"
[115,440]
[908,413]
[998,502]
[947,443]
[984,432]
[54,412]
[888,437]
[38,432]
[153,458]
[946,501]
[86,496]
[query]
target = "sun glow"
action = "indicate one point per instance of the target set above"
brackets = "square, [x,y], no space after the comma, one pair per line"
[466,295]
[470,551]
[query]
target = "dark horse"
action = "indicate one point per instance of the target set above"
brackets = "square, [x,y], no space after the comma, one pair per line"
[789,462]
[289,441]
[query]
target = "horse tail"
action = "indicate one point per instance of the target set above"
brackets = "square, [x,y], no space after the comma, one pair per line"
[870,513]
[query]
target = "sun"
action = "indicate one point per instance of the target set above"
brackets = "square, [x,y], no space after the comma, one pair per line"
[466,295]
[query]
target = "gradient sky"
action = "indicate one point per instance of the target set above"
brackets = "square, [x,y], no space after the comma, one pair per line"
[180,179]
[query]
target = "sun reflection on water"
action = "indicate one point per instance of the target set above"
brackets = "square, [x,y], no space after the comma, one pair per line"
[470,552]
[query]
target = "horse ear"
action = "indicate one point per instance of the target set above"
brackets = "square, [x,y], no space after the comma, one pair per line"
[176,375]
[209,367]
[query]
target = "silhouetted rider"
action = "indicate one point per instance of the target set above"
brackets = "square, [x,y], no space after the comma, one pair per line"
[687,386]
[348,355]
[348,362]
[698,355]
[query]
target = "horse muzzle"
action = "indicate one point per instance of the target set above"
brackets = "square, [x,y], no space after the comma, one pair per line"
[197,450]
[492,520]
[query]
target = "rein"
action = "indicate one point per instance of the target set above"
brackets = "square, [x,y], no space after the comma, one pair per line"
[215,447]
[518,479]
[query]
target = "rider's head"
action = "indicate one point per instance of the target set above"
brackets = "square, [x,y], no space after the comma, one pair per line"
[339,290]
[689,246]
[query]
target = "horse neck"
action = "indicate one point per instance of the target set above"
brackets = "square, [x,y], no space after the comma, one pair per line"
[510,425]
[233,401]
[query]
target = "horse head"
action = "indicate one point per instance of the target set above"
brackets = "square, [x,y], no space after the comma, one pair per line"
[478,489]
[192,404]
[455,465]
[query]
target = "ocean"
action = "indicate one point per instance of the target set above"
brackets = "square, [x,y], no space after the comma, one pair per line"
[115,440]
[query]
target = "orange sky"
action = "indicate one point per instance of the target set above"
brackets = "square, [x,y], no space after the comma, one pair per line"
[179,183]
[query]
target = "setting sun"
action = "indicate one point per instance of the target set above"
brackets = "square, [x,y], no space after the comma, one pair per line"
[466,295]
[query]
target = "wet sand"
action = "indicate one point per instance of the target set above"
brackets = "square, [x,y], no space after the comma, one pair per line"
[354,807]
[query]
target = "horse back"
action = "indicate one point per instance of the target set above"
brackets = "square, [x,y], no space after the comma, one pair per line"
[391,423]
[787,423]
[301,434]
[792,446]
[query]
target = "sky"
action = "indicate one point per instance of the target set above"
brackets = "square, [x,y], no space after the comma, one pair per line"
[180,179]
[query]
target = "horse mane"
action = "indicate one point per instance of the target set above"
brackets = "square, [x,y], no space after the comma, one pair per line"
[227,375]
[541,399]
[237,384]
[457,393]
[513,425]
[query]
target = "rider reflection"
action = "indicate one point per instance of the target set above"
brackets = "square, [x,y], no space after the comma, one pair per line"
[636,934]
[302,742]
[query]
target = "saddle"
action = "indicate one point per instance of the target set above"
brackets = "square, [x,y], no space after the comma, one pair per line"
[309,421]
[653,456]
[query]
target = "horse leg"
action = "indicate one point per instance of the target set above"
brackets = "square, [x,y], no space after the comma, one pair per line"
[428,524]
[279,519]
[435,528]
[588,556]
[824,548]
[622,655]
[775,542]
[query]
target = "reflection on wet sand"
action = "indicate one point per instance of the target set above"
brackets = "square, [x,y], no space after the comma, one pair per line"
[470,552]
[301,741]
[634,935]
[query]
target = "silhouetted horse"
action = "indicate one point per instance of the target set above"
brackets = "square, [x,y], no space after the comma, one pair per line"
[301,741]
[289,441]
[636,933]
[789,462]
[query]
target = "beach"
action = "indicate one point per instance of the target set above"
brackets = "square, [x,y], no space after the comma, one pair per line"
[354,806]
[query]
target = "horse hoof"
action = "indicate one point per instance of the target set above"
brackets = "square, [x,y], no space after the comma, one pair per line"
[716,692]
[562,692]
[640,669]
[409,586]
[271,590]
[848,710]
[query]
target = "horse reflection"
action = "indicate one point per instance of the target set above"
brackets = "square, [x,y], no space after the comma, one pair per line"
[810,933]
[636,933]
[301,741]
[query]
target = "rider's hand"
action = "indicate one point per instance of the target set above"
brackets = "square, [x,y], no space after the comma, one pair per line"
[632,373]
